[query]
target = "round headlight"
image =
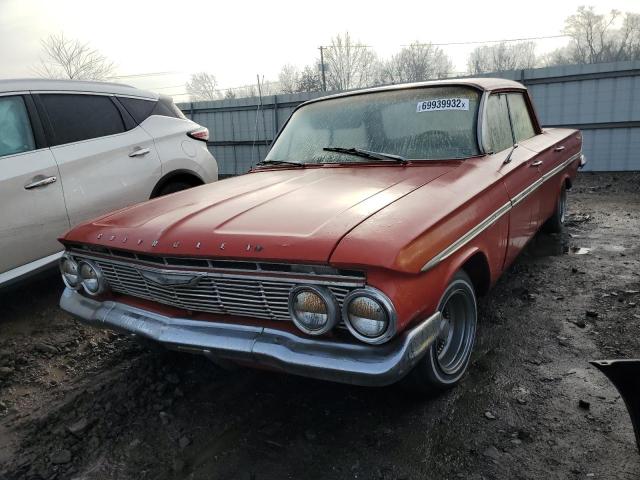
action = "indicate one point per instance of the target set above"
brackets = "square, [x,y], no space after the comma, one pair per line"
[69,271]
[92,280]
[314,310]
[369,316]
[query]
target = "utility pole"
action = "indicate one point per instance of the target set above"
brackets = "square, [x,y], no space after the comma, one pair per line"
[324,80]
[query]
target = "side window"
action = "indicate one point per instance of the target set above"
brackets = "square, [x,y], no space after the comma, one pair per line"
[520,118]
[138,108]
[16,135]
[497,134]
[81,117]
[167,108]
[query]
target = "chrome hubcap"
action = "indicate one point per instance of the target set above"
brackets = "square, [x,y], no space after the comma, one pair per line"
[563,205]
[455,340]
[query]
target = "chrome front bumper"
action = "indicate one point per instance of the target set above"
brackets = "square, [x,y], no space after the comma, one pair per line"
[353,363]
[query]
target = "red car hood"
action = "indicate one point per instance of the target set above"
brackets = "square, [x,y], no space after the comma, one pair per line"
[278,214]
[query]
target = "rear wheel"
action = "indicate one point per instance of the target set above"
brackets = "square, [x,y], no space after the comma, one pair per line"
[556,221]
[173,187]
[448,357]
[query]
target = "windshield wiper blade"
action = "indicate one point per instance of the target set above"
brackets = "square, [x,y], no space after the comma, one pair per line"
[366,153]
[279,162]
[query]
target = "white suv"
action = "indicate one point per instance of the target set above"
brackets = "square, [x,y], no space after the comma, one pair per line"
[71,150]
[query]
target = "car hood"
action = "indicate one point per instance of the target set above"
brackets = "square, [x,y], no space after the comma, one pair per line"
[273,215]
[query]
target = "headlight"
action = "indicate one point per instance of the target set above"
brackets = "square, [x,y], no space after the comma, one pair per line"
[369,316]
[314,310]
[69,271]
[92,279]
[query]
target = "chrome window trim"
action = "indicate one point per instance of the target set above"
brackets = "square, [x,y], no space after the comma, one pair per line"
[481,122]
[495,216]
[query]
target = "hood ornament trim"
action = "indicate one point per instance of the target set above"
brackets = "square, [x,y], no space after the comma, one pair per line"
[170,279]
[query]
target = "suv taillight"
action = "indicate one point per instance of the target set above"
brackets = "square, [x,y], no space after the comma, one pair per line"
[201,133]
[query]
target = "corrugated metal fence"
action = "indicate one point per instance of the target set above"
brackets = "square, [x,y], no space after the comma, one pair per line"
[603,100]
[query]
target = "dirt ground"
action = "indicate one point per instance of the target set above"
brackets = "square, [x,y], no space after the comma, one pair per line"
[77,403]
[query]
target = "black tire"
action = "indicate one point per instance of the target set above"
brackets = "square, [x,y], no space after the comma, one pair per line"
[555,223]
[173,187]
[447,359]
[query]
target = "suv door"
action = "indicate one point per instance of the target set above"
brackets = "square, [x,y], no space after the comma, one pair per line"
[519,173]
[106,161]
[33,213]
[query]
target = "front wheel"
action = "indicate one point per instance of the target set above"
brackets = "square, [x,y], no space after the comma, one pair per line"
[448,357]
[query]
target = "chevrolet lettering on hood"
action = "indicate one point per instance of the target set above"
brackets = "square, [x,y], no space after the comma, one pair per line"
[354,252]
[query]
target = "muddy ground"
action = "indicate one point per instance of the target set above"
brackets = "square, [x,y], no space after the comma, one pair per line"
[76,403]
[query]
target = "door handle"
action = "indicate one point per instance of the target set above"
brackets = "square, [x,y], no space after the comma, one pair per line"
[138,152]
[41,183]
[537,163]
[559,149]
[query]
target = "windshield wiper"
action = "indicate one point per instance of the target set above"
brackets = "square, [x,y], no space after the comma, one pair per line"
[278,162]
[359,152]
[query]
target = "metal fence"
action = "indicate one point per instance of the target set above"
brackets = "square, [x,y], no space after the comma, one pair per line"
[602,100]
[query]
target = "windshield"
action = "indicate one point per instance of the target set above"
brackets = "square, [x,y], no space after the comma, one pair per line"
[416,124]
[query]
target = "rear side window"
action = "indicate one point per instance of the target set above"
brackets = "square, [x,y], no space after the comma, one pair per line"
[81,117]
[167,108]
[140,109]
[15,129]
[520,118]
[498,134]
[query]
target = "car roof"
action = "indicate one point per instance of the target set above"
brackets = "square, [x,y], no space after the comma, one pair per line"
[43,84]
[483,83]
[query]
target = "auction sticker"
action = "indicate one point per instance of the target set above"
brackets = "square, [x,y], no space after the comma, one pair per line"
[438,104]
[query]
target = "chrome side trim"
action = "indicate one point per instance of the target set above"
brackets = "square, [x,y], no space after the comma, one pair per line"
[466,238]
[325,359]
[495,216]
[531,188]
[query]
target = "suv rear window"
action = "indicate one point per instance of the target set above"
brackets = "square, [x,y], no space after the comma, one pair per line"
[138,108]
[141,109]
[167,108]
[81,117]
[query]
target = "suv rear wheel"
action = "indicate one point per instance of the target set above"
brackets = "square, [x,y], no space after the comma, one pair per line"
[173,187]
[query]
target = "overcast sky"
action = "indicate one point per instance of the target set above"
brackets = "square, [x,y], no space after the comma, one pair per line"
[235,40]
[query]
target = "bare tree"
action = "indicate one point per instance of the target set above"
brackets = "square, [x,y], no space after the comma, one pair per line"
[349,64]
[416,63]
[288,79]
[594,38]
[68,58]
[203,87]
[309,80]
[502,57]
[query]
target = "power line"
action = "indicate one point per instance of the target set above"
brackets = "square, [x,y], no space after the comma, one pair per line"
[493,41]
[151,74]
[473,42]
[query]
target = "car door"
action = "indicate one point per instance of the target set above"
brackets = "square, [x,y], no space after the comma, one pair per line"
[106,161]
[33,213]
[526,137]
[518,170]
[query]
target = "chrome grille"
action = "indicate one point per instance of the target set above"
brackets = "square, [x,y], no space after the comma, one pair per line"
[252,296]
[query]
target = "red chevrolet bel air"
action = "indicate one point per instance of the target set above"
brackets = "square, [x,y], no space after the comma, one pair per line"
[354,252]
